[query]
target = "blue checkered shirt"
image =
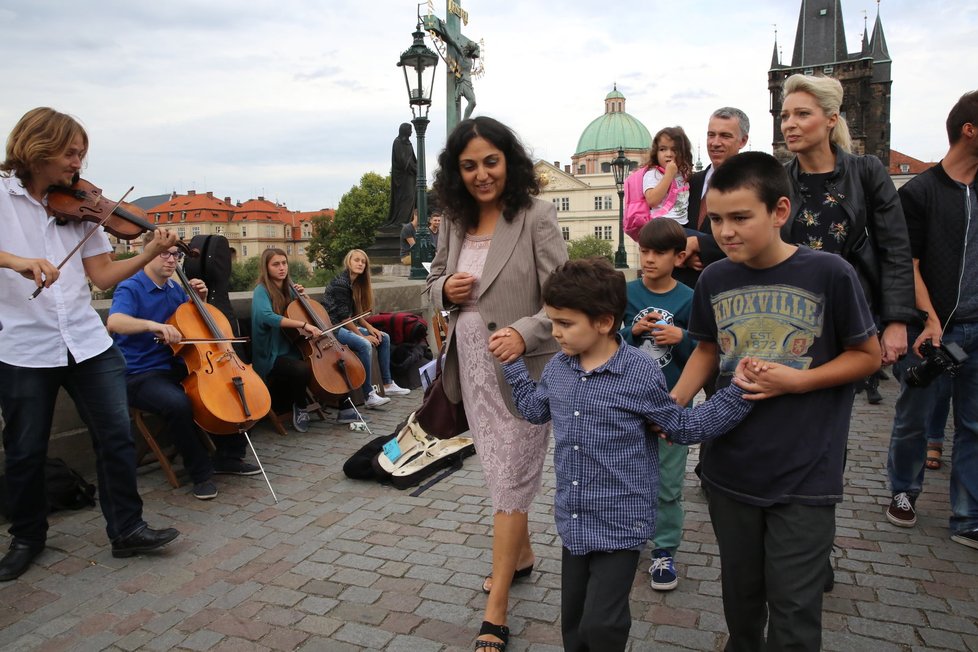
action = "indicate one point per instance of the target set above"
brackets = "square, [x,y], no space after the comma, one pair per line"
[606,461]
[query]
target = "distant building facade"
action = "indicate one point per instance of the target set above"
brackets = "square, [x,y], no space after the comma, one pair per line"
[250,227]
[820,49]
[584,191]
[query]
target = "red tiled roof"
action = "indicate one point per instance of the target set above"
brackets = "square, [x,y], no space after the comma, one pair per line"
[916,165]
[207,208]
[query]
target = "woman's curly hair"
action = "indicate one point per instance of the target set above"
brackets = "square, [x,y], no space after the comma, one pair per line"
[521,180]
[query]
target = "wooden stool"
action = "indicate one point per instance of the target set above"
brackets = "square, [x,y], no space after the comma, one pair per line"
[149,444]
[312,406]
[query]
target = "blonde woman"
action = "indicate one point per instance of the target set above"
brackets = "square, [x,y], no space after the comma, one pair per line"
[349,294]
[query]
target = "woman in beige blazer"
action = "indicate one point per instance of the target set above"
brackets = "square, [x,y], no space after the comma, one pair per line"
[499,245]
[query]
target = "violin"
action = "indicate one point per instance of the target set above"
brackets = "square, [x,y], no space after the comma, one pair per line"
[335,368]
[226,394]
[84,202]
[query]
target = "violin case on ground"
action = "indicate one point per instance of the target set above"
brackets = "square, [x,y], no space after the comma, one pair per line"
[408,457]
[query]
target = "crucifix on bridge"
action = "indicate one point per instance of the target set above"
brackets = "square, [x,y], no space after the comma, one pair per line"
[460,54]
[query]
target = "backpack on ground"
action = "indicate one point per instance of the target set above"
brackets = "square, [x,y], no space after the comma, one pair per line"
[403,327]
[65,488]
[406,363]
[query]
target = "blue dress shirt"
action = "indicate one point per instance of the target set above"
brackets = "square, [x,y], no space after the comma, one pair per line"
[605,459]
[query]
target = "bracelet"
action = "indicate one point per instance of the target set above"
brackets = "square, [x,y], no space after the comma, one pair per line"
[304,324]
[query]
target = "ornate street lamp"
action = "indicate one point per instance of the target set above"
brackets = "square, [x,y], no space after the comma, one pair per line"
[419,63]
[620,166]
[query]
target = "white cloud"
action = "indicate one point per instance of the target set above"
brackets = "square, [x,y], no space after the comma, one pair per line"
[296,99]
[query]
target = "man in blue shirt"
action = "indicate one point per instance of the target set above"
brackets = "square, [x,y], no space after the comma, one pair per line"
[601,395]
[137,320]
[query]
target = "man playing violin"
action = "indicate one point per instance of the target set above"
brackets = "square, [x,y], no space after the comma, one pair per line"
[58,340]
[141,306]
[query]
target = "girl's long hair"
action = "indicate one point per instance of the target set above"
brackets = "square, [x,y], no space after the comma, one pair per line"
[281,295]
[363,293]
[684,150]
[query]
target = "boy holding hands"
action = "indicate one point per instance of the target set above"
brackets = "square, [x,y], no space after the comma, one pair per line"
[601,394]
[774,480]
[656,317]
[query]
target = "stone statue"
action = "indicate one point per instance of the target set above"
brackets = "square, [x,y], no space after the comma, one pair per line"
[463,76]
[404,177]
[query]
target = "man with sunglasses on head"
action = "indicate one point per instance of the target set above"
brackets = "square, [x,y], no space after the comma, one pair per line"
[57,340]
[137,319]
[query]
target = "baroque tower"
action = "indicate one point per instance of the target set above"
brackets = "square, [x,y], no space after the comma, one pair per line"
[820,49]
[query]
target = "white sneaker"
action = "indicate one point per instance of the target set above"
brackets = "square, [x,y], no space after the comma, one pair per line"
[394,390]
[375,400]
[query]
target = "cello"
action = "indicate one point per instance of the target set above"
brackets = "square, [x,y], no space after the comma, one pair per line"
[226,394]
[335,368]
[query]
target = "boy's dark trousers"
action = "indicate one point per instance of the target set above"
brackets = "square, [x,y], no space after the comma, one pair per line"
[773,562]
[594,590]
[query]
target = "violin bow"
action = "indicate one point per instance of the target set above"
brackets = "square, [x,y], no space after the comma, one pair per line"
[343,323]
[84,240]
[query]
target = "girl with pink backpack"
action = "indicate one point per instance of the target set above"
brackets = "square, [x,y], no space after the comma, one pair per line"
[664,189]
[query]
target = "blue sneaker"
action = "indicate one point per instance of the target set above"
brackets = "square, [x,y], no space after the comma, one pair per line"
[663,571]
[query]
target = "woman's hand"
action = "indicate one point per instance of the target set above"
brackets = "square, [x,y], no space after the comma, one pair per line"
[310,330]
[300,289]
[507,345]
[458,287]
[373,337]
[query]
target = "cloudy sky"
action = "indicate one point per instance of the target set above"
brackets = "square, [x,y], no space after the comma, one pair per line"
[296,99]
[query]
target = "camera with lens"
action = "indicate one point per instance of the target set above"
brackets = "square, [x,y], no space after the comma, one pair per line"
[945,357]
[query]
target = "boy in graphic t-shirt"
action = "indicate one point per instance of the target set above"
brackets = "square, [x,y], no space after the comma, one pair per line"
[773,481]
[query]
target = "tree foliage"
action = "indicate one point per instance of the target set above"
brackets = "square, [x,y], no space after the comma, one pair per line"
[589,246]
[354,226]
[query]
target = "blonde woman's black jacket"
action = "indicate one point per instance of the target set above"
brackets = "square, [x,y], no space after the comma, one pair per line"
[877,245]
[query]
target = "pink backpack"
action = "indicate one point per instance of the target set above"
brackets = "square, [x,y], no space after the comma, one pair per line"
[637,212]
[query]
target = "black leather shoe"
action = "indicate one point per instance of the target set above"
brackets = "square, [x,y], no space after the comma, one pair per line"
[17,560]
[144,539]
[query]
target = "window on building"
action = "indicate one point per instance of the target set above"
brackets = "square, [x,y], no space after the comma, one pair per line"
[195,230]
[564,204]
[181,233]
[565,232]
[219,229]
[607,202]
[581,169]
[244,250]
[244,231]
[597,203]
[905,168]
[288,249]
[169,217]
[183,216]
[602,232]
[606,167]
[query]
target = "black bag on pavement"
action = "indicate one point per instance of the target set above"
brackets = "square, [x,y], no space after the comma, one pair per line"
[406,362]
[65,488]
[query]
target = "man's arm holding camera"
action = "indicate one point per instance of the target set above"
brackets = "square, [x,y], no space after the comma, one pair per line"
[932,325]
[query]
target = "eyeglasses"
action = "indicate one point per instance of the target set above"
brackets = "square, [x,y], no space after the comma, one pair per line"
[175,255]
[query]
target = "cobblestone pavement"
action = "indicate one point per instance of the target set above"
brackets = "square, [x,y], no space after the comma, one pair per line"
[343,565]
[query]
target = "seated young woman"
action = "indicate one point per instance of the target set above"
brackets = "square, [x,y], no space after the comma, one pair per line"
[348,295]
[274,356]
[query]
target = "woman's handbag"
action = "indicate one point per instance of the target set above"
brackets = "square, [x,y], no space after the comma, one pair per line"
[438,415]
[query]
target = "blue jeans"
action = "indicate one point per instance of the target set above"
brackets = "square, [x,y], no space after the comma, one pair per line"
[362,347]
[914,409]
[160,392]
[942,407]
[98,388]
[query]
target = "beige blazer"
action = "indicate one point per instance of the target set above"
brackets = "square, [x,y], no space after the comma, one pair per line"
[523,253]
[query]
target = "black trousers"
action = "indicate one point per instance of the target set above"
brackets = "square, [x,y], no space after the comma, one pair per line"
[773,566]
[287,382]
[594,590]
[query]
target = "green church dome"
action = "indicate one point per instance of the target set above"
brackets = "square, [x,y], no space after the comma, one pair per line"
[614,129]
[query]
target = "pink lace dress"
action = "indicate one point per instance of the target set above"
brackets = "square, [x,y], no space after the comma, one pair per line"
[510,449]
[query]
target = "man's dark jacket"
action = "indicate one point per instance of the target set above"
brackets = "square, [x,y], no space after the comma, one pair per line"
[937,218]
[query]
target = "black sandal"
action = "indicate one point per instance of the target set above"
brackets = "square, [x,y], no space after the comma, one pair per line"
[499,631]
